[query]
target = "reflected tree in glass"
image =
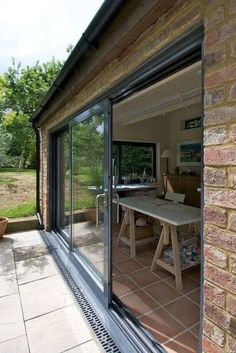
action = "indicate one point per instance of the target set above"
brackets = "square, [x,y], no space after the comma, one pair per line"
[87,180]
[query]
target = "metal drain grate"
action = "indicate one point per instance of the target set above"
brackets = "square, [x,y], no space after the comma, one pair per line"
[97,326]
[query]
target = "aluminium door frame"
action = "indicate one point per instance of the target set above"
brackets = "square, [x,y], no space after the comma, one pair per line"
[53,181]
[104,106]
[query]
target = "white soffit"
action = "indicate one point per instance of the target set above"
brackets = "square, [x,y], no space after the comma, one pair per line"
[177,91]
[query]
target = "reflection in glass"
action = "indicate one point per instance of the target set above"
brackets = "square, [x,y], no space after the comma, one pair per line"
[63,182]
[87,188]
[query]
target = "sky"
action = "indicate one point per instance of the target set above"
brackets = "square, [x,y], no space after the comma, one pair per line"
[33,30]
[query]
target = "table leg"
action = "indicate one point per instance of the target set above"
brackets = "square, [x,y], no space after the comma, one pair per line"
[132,233]
[166,233]
[159,249]
[123,226]
[177,267]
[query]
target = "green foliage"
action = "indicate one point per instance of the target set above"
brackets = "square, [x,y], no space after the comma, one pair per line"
[136,159]
[88,145]
[23,141]
[14,170]
[21,90]
[23,210]
[5,144]
[25,87]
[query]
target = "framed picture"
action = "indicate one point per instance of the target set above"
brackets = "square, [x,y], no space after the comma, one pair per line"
[189,153]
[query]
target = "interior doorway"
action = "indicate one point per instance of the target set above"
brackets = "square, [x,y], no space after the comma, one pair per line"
[157,163]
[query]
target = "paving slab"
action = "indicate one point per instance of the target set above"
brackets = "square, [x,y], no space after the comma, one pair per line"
[8,284]
[26,238]
[27,252]
[87,347]
[15,345]
[7,265]
[5,241]
[57,331]
[27,245]
[35,268]
[43,296]
[11,319]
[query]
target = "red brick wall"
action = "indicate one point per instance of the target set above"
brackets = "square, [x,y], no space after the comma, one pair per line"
[220,177]
[219,17]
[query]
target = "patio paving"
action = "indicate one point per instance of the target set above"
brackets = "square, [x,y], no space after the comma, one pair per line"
[38,310]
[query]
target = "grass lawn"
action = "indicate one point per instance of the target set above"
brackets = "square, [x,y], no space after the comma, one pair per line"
[17,192]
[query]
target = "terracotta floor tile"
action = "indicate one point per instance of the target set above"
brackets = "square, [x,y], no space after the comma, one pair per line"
[188,284]
[185,343]
[119,256]
[125,248]
[140,251]
[151,248]
[195,296]
[194,274]
[185,311]
[162,292]
[145,259]
[116,272]
[162,273]
[139,303]
[129,266]
[123,285]
[162,325]
[195,330]
[144,277]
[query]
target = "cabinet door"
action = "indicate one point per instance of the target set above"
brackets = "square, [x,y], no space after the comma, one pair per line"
[193,197]
[174,184]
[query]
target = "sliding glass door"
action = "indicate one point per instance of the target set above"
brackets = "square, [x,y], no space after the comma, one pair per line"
[62,183]
[90,193]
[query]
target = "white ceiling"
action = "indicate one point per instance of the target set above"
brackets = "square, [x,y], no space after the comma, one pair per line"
[180,90]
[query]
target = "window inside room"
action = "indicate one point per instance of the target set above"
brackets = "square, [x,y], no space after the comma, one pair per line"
[134,161]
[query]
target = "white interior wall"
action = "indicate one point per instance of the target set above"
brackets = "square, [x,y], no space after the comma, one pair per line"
[177,133]
[166,131]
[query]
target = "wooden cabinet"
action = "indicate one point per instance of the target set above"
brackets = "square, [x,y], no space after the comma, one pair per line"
[185,184]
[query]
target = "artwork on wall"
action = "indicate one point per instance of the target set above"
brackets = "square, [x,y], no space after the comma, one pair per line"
[189,153]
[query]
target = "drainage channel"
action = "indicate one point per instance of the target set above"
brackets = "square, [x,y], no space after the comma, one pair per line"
[97,326]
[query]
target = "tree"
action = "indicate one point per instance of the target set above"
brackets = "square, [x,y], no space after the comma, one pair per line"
[25,87]
[21,90]
[5,143]
[22,146]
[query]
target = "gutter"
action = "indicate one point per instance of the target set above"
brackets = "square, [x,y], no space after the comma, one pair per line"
[88,41]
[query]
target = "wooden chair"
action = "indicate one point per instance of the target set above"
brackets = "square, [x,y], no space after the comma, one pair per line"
[175,197]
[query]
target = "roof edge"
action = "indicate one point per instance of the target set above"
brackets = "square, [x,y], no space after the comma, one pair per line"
[88,40]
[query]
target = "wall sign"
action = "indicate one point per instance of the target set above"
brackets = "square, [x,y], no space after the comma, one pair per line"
[192,123]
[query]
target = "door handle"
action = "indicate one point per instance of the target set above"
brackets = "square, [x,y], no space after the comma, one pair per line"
[117,207]
[199,189]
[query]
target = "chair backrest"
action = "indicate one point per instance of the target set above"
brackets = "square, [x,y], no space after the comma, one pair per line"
[175,197]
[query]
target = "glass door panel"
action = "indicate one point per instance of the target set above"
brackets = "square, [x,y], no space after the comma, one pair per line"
[90,197]
[63,183]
